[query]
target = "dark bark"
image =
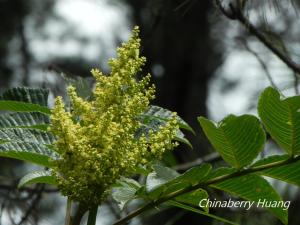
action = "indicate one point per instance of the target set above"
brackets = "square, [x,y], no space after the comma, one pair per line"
[178,40]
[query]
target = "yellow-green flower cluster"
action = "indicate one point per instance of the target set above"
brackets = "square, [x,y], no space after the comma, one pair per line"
[96,139]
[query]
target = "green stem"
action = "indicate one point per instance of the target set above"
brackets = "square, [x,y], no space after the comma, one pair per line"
[68,212]
[92,216]
[204,184]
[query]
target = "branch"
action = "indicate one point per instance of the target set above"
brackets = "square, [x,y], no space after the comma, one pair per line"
[27,189]
[262,63]
[204,184]
[236,14]
[210,158]
[33,204]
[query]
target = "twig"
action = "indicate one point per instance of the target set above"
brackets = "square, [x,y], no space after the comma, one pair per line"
[296,82]
[213,157]
[24,54]
[225,12]
[203,185]
[27,189]
[262,63]
[33,204]
[236,14]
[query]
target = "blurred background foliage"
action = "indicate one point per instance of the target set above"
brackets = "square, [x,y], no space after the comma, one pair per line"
[202,64]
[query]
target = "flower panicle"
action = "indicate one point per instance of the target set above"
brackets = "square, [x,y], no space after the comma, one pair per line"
[97,138]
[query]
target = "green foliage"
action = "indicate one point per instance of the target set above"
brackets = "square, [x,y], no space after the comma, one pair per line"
[254,188]
[125,190]
[288,173]
[27,119]
[238,139]
[195,210]
[30,152]
[155,117]
[23,134]
[281,119]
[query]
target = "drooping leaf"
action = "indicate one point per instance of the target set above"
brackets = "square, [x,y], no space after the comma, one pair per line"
[289,173]
[155,117]
[281,118]
[180,137]
[26,151]
[26,135]
[238,139]
[39,176]
[29,95]
[254,188]
[29,120]
[195,210]
[156,112]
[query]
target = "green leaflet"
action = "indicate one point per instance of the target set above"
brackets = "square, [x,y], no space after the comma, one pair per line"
[281,118]
[29,95]
[164,180]
[289,173]
[39,176]
[192,209]
[18,138]
[193,198]
[159,177]
[165,114]
[23,99]
[238,139]
[253,188]
[27,119]
[26,135]
[23,107]
[31,152]
[195,175]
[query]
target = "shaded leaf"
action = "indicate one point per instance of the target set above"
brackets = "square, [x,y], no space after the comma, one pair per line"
[26,135]
[31,152]
[30,120]
[155,117]
[156,112]
[29,95]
